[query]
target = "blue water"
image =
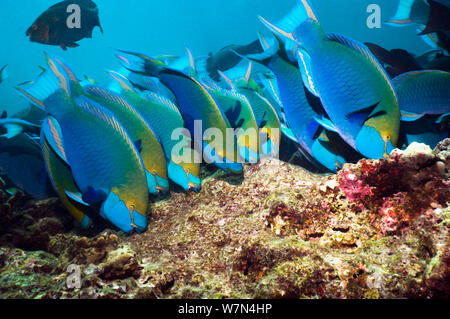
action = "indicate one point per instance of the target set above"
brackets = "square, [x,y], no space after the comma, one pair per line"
[165,27]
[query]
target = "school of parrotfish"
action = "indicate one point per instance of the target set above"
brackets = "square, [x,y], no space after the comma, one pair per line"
[105,149]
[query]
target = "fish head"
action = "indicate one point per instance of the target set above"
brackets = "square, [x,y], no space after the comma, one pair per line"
[378,137]
[38,33]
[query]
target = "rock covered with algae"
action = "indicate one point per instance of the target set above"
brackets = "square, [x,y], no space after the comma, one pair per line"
[377,229]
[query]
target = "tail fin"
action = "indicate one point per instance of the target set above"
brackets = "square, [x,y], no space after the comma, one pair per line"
[50,90]
[270,47]
[402,16]
[140,63]
[301,12]
[74,83]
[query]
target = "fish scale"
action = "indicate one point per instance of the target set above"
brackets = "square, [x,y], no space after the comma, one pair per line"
[336,76]
[151,152]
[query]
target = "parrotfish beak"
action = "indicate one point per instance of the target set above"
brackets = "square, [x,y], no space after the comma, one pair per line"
[371,144]
[128,220]
[185,179]
[156,184]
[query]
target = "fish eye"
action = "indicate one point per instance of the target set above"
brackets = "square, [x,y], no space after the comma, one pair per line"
[34,27]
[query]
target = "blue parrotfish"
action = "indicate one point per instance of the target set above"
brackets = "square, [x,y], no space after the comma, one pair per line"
[239,113]
[265,114]
[195,104]
[301,109]
[164,117]
[353,87]
[10,127]
[423,92]
[433,14]
[136,126]
[59,170]
[21,161]
[426,129]
[105,162]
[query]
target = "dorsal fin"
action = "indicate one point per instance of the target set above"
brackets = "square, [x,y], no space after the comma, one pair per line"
[248,73]
[227,80]
[122,80]
[191,59]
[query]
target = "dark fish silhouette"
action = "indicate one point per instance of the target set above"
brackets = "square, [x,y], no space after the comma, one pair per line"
[21,160]
[396,61]
[434,14]
[226,58]
[439,18]
[52,27]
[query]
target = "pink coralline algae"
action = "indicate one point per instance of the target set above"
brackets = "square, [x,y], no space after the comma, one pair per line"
[399,188]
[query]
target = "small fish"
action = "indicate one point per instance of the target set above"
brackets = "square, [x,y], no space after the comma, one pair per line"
[226,58]
[396,61]
[435,15]
[3,73]
[353,87]
[423,92]
[59,170]
[164,117]
[105,163]
[51,27]
[195,104]
[21,161]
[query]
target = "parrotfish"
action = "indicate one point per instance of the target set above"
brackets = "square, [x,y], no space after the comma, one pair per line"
[52,27]
[59,170]
[164,117]
[239,113]
[434,14]
[196,105]
[21,161]
[425,130]
[226,58]
[140,132]
[423,92]
[10,127]
[301,109]
[138,129]
[136,126]
[31,114]
[265,114]
[353,87]
[105,163]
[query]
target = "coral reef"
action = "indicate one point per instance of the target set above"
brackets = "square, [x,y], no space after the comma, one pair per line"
[377,229]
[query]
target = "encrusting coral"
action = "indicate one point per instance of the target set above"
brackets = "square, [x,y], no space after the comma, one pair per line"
[377,229]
